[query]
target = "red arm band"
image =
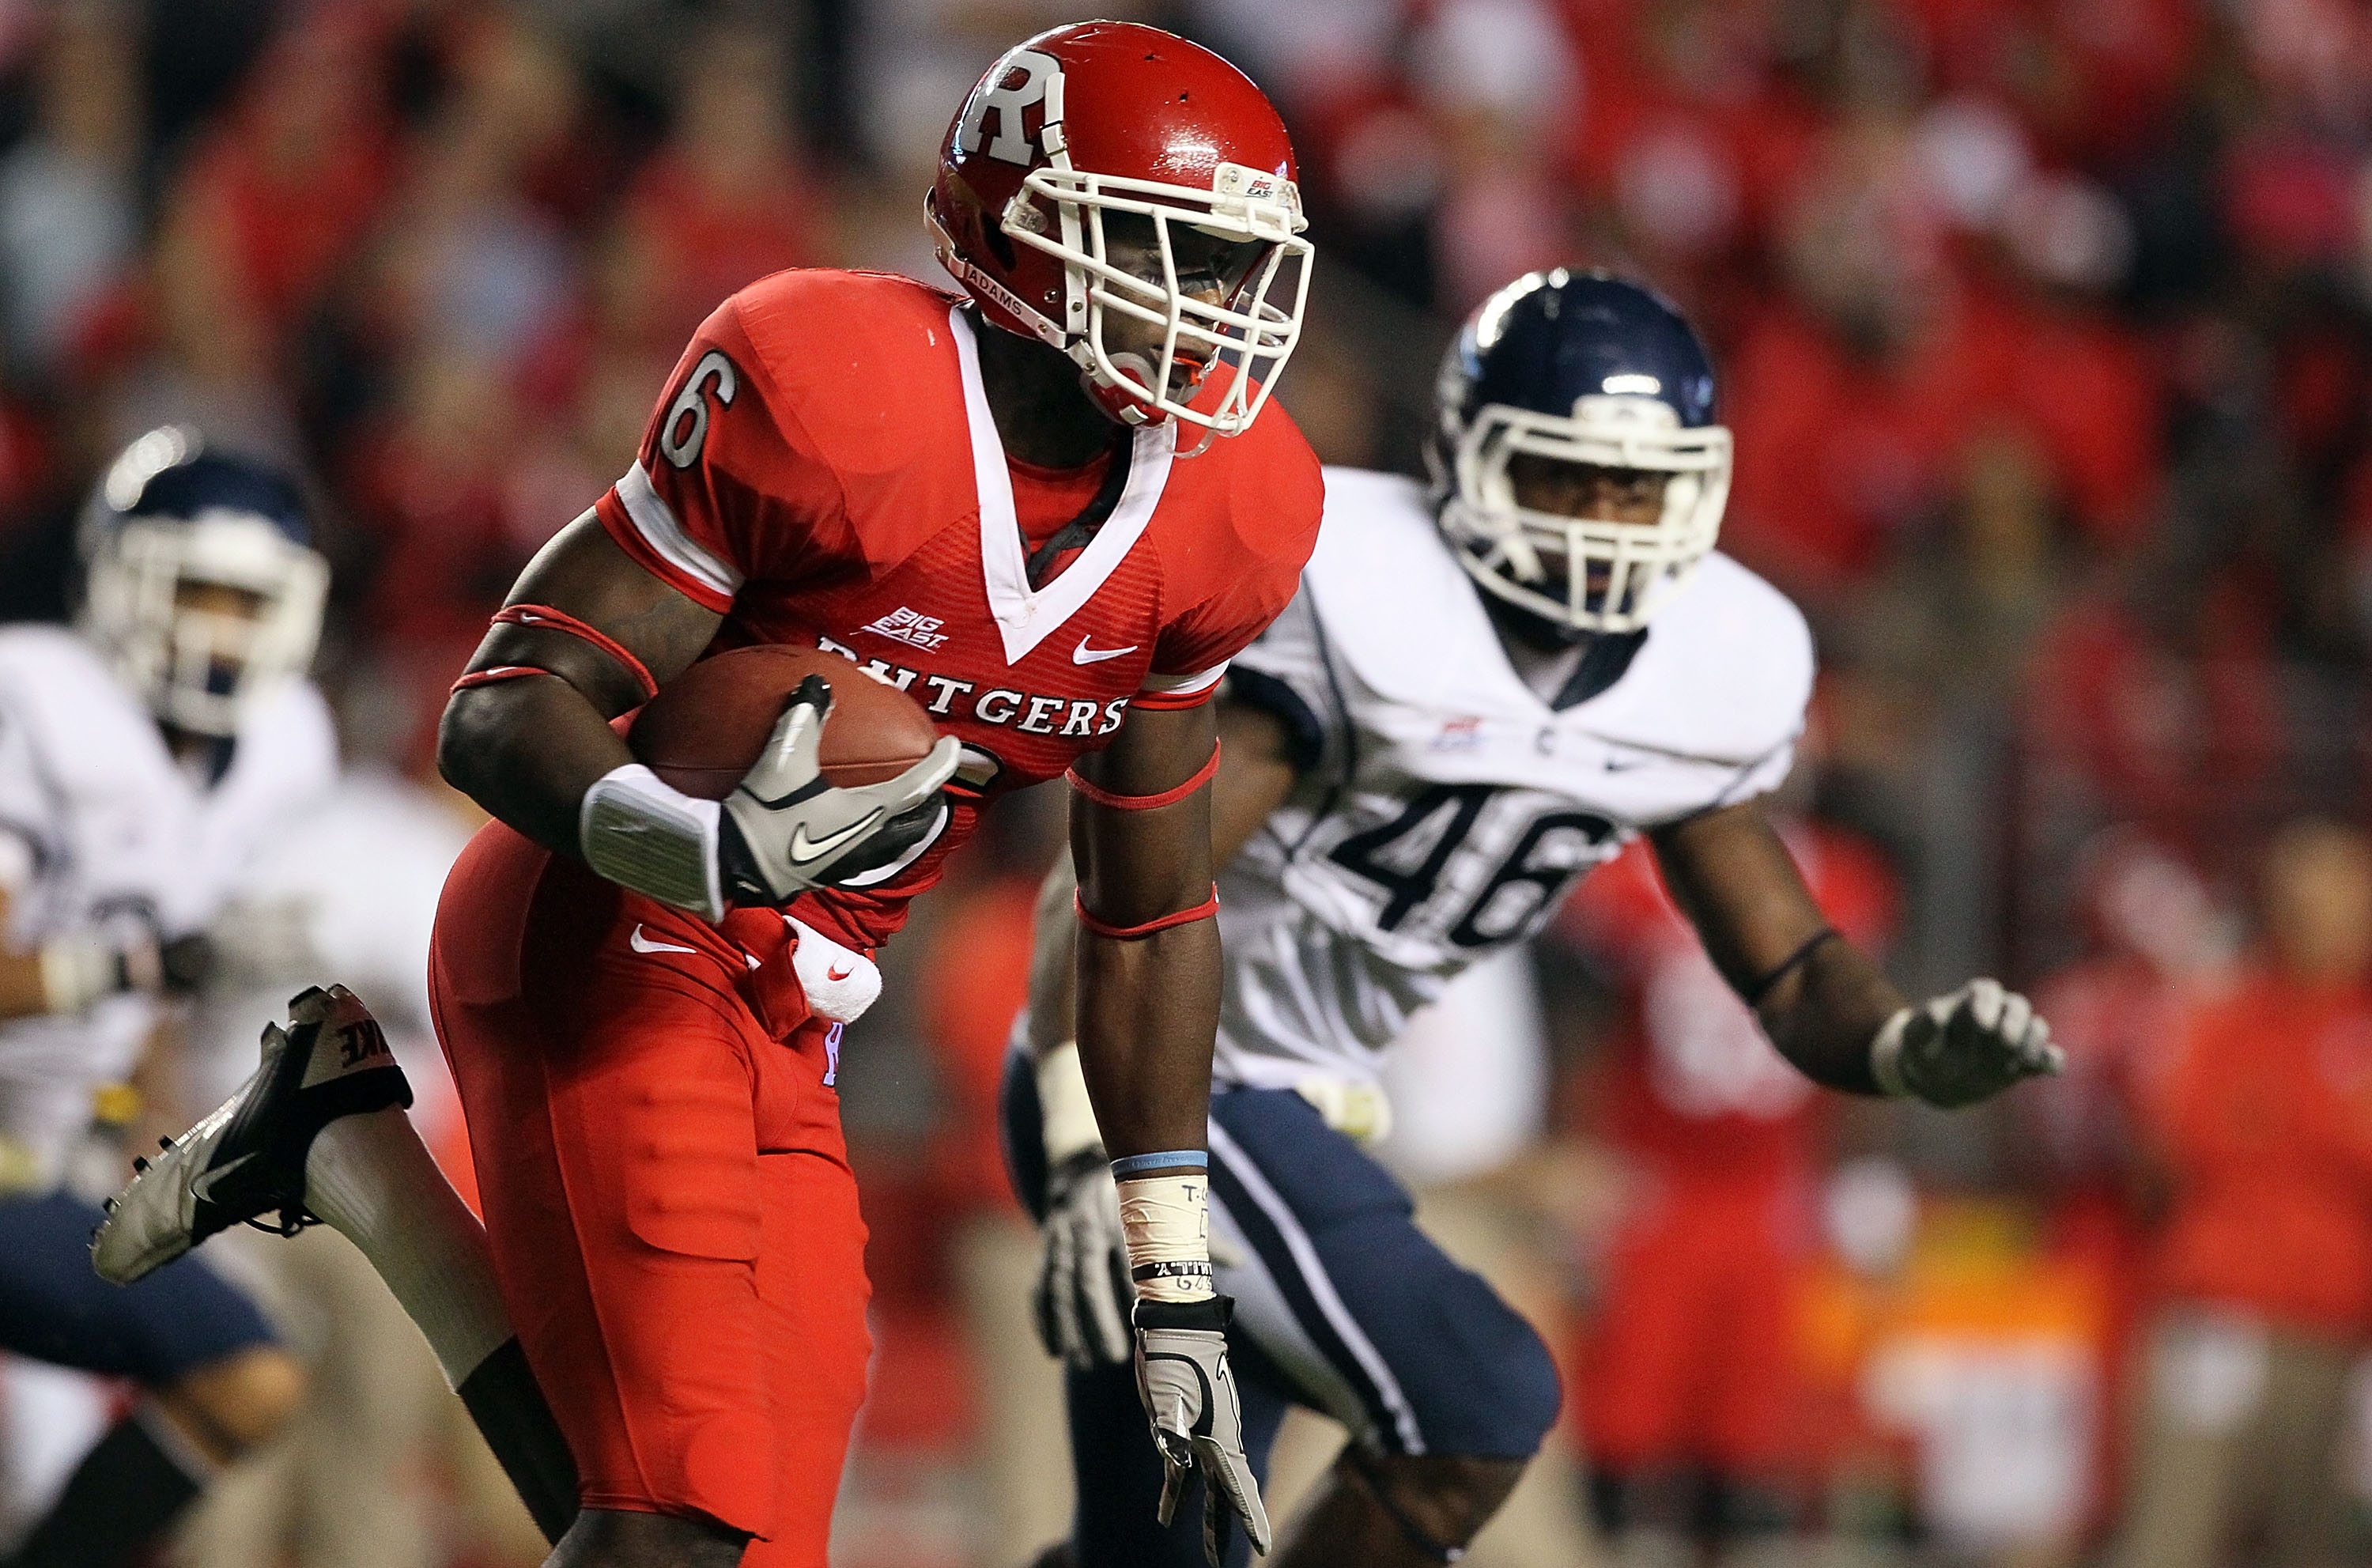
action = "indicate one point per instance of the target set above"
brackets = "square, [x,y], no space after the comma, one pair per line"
[1202,911]
[1101,797]
[1174,702]
[544,617]
[499,672]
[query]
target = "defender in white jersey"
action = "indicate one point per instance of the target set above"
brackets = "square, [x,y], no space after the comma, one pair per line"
[1444,804]
[145,757]
[1416,772]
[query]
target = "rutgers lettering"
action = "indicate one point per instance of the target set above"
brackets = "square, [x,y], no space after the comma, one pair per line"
[1007,707]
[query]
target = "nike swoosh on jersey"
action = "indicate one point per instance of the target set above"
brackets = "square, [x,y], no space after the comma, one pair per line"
[1085,655]
[804,849]
[642,944]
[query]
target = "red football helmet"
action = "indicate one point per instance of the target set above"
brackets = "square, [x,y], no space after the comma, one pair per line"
[1096,119]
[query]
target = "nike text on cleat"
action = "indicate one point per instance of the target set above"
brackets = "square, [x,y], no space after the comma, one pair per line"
[247,1159]
[1085,655]
[642,944]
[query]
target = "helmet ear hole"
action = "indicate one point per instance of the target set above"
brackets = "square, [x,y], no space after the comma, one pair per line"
[999,245]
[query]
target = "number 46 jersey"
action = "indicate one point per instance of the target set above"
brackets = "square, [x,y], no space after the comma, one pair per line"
[1443,809]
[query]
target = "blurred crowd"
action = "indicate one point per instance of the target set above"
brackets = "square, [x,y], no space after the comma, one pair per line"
[2045,330]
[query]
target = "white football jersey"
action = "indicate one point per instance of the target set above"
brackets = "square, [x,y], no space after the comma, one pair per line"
[99,822]
[356,876]
[1450,809]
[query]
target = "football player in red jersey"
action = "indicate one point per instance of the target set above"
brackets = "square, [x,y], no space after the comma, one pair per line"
[988,501]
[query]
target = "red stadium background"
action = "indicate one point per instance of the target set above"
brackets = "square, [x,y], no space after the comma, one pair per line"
[2045,330]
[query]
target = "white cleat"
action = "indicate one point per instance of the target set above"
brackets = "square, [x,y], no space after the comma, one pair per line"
[246,1159]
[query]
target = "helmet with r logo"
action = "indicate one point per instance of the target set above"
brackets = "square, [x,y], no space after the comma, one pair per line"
[1128,197]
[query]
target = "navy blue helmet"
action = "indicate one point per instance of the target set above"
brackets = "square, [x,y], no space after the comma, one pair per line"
[1589,369]
[200,582]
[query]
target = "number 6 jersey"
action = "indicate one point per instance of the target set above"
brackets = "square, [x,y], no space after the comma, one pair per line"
[1443,808]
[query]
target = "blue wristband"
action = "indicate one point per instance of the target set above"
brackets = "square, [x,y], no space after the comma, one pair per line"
[1170,1159]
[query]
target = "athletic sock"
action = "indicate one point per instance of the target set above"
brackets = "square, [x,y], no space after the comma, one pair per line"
[506,1403]
[372,1180]
[127,1492]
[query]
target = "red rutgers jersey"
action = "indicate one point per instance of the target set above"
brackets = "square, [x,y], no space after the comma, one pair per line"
[825,471]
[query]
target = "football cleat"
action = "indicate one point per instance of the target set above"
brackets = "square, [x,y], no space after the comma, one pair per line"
[246,1160]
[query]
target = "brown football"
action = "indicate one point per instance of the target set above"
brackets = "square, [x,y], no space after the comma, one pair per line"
[706,726]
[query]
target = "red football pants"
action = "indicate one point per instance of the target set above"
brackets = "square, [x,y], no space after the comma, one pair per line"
[666,1191]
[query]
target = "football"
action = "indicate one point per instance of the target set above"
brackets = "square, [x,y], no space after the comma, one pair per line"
[706,726]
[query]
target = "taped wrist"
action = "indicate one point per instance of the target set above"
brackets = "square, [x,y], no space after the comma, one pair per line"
[639,833]
[1165,1219]
[1067,1119]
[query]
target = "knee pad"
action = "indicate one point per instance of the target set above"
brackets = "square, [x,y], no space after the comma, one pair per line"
[1510,1393]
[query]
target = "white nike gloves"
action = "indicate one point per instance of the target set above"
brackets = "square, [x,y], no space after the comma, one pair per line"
[782,830]
[1083,1295]
[1957,1049]
[1190,1392]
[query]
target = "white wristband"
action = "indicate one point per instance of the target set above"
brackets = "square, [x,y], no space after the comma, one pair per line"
[76,972]
[1165,1218]
[642,834]
[1886,1056]
[1067,1119]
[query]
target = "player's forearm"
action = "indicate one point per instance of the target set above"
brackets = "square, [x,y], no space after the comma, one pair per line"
[601,635]
[1052,961]
[23,994]
[526,750]
[1824,1014]
[1147,1011]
